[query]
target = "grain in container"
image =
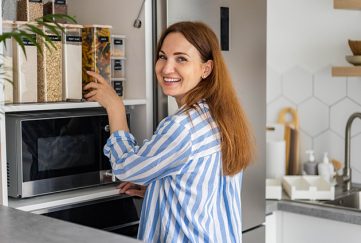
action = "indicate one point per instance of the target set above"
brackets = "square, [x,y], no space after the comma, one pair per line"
[72,62]
[50,69]
[25,70]
[29,10]
[96,51]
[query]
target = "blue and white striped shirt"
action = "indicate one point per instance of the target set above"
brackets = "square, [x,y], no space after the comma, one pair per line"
[187,198]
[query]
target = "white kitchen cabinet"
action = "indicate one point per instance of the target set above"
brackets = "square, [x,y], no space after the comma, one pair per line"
[138,88]
[285,227]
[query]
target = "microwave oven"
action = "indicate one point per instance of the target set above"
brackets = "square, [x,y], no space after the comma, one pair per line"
[51,151]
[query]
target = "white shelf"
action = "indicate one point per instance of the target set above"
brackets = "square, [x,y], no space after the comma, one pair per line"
[63,105]
[64,198]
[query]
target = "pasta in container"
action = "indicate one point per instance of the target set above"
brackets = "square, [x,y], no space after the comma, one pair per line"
[96,51]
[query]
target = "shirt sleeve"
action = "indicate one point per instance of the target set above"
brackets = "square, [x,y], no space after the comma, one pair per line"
[166,153]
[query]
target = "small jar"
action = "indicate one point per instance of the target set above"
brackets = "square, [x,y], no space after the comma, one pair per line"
[25,70]
[56,7]
[96,52]
[50,69]
[118,87]
[29,10]
[72,63]
[118,68]
[118,45]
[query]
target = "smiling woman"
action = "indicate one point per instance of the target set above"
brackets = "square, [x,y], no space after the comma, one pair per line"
[192,167]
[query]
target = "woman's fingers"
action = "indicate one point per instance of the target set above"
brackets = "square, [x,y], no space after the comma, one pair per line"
[97,76]
[132,189]
[121,185]
[135,192]
[125,186]
[90,85]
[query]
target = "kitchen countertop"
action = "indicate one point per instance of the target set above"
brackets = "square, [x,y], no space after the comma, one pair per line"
[315,209]
[17,226]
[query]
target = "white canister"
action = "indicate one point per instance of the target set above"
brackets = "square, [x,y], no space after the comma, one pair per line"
[276,159]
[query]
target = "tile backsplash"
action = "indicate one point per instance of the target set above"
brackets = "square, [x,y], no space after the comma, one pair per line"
[324,104]
[300,54]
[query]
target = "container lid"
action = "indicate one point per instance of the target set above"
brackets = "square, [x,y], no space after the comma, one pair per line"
[118,36]
[97,26]
[72,26]
[8,24]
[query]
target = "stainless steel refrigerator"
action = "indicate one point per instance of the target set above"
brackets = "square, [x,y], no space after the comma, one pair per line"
[241,28]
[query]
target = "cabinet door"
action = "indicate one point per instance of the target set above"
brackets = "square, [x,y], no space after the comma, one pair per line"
[256,235]
[297,228]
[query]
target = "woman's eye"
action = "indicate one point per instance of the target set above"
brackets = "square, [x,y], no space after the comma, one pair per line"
[181,59]
[162,57]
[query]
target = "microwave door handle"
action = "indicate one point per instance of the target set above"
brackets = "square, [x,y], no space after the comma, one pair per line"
[110,174]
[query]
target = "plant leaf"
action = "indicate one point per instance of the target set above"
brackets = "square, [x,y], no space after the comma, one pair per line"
[17,38]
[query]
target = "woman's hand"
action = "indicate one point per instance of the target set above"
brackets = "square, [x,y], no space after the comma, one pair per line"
[132,189]
[102,92]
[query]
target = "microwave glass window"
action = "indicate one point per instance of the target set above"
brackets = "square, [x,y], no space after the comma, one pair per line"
[63,146]
[58,153]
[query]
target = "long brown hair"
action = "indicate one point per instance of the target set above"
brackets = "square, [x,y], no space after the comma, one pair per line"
[237,141]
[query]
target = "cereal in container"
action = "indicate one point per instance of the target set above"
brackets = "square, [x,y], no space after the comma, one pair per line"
[29,10]
[96,52]
[50,69]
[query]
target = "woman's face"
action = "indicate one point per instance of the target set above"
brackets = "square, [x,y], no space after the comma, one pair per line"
[179,67]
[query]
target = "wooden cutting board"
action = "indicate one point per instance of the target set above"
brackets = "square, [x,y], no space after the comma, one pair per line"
[289,117]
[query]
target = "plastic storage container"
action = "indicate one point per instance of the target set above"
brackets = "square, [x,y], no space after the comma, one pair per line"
[72,62]
[96,51]
[29,10]
[50,70]
[118,45]
[8,26]
[118,68]
[118,87]
[56,7]
[25,70]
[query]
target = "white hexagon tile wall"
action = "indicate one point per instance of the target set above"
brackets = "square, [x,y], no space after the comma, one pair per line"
[323,104]
[300,53]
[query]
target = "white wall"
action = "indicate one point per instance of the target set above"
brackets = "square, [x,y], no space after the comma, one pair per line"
[306,38]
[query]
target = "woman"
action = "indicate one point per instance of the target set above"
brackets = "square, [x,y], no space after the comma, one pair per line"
[192,166]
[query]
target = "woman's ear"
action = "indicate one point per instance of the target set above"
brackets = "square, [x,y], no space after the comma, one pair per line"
[207,68]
